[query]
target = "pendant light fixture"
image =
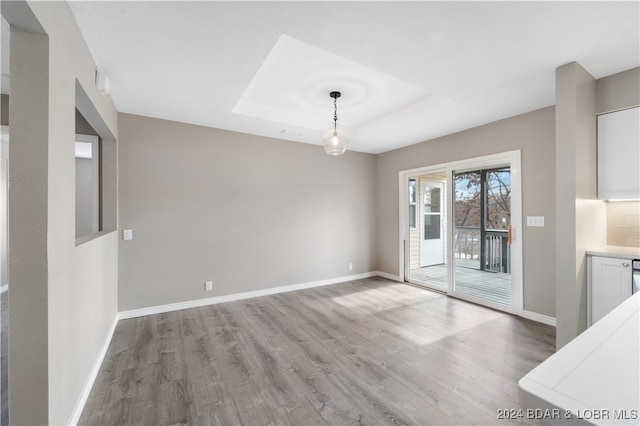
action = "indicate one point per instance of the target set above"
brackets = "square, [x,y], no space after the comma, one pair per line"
[335,141]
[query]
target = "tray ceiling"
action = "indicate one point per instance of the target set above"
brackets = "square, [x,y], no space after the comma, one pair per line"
[410,71]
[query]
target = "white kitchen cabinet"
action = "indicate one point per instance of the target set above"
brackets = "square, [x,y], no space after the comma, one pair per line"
[609,285]
[619,155]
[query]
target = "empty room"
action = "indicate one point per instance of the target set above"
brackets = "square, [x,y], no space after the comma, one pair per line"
[320,213]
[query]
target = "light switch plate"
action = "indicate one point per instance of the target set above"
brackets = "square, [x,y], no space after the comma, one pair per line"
[127,234]
[535,221]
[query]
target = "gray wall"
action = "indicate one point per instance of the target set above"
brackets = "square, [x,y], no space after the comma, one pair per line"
[28,298]
[4,254]
[63,298]
[84,183]
[4,120]
[244,211]
[618,91]
[84,196]
[82,125]
[580,216]
[533,133]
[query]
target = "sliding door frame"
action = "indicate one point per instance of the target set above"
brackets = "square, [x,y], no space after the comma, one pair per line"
[510,159]
[404,215]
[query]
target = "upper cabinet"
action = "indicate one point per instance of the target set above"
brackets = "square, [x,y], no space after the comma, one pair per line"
[619,155]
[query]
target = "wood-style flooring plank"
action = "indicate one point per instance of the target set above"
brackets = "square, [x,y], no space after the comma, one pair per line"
[370,351]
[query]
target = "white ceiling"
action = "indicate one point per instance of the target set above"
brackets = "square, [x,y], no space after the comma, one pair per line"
[294,82]
[414,70]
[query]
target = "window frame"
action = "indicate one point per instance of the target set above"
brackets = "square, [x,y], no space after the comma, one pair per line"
[96,198]
[413,203]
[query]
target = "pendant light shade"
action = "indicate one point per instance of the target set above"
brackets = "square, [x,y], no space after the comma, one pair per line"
[335,141]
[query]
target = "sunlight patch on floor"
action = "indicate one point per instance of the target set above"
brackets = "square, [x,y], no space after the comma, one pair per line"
[415,330]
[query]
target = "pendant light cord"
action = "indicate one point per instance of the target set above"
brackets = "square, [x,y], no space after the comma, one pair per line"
[335,115]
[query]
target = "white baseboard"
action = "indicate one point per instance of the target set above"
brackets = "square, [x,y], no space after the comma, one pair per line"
[544,319]
[134,313]
[77,411]
[387,276]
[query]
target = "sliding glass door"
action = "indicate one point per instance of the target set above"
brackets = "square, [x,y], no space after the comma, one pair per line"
[428,230]
[458,229]
[481,237]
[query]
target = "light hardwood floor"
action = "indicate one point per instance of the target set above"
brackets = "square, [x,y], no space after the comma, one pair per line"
[371,351]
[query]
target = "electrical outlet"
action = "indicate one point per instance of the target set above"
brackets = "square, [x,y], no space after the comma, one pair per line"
[350,266]
[127,234]
[208,285]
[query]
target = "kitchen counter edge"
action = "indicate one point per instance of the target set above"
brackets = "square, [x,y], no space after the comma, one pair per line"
[619,252]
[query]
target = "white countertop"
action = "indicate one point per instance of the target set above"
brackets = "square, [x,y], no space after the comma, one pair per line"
[595,375]
[616,251]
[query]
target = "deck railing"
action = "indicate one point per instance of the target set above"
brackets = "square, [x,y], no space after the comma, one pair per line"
[497,252]
[466,243]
